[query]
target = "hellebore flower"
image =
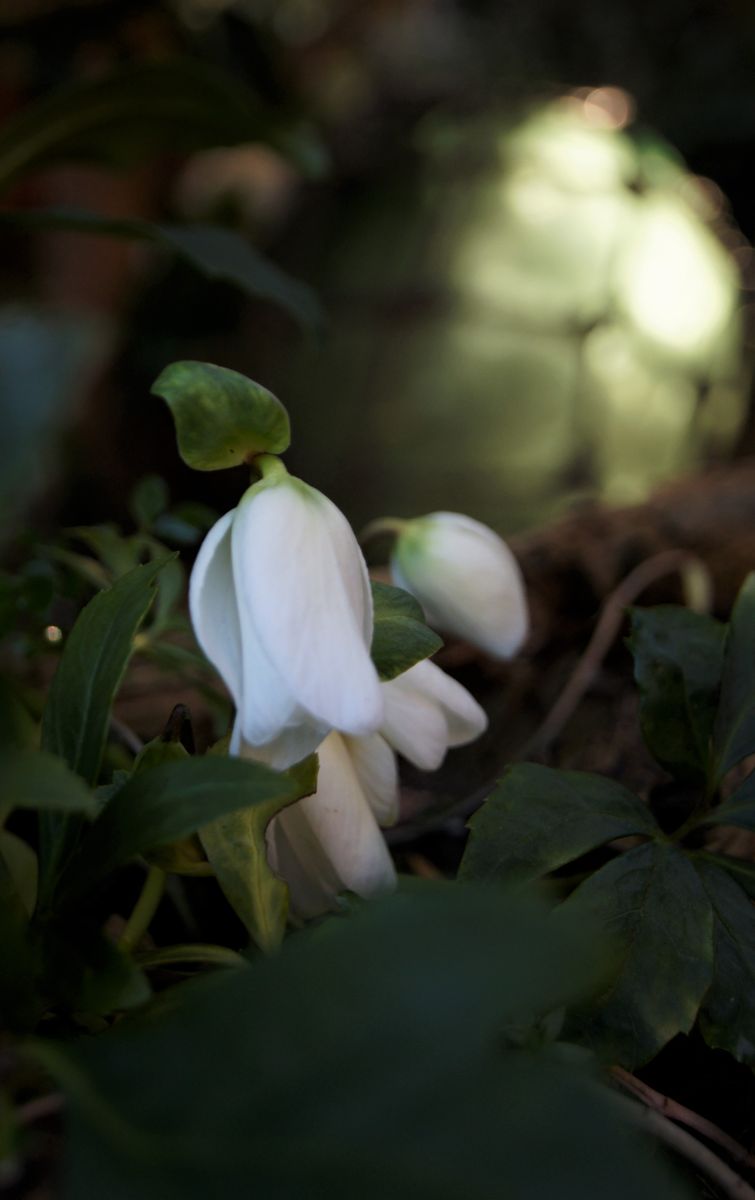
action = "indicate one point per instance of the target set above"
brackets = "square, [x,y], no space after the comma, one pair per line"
[330,842]
[466,579]
[281,605]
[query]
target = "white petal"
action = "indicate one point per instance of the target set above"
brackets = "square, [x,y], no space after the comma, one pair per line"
[331,838]
[212,605]
[414,724]
[301,580]
[465,719]
[466,579]
[291,745]
[377,771]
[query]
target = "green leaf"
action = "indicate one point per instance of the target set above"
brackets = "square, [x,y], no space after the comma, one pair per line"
[651,900]
[164,805]
[235,846]
[20,1002]
[21,862]
[215,252]
[92,665]
[148,500]
[734,733]
[739,809]
[84,972]
[222,418]
[741,870]
[38,780]
[727,1017]
[400,636]
[678,658]
[539,818]
[77,714]
[356,1054]
[179,106]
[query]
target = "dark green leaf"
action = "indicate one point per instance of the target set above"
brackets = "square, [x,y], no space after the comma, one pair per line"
[734,733]
[178,105]
[116,552]
[222,418]
[678,658]
[21,862]
[20,1003]
[651,900]
[400,636]
[538,819]
[84,972]
[235,846]
[358,1055]
[217,253]
[149,500]
[163,805]
[740,869]
[727,1018]
[77,714]
[94,660]
[36,779]
[739,809]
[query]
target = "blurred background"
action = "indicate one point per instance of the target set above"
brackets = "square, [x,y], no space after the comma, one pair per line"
[493,257]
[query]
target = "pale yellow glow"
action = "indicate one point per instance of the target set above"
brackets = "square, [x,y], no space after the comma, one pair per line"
[674,281]
[53,634]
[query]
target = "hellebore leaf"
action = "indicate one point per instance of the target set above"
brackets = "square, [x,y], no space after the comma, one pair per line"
[77,714]
[21,862]
[400,636]
[307,1071]
[38,780]
[539,819]
[215,252]
[678,658]
[734,732]
[727,1016]
[650,899]
[222,418]
[235,846]
[739,809]
[164,805]
[177,105]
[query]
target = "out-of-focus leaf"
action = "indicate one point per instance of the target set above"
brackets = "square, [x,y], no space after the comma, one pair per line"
[116,552]
[539,818]
[678,659]
[83,971]
[734,732]
[163,805]
[400,636]
[21,862]
[179,105]
[741,870]
[217,253]
[357,1054]
[235,846]
[222,418]
[20,1002]
[77,714]
[651,900]
[727,1017]
[38,780]
[739,809]
[148,500]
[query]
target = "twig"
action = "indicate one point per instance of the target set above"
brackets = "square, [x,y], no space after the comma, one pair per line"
[604,635]
[678,1112]
[688,1147]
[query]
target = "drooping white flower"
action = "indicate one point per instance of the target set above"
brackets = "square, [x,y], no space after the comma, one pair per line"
[281,605]
[466,579]
[330,842]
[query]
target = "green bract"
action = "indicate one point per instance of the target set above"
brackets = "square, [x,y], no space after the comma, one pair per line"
[222,418]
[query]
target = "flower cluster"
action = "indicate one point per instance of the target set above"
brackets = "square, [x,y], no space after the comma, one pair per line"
[281,605]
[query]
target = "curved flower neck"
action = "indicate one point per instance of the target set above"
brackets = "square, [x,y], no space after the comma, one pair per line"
[269,467]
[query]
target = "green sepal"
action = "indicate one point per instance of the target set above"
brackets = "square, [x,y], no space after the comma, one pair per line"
[400,636]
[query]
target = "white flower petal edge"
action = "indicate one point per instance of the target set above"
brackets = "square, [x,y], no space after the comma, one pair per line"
[212,605]
[301,580]
[330,842]
[377,771]
[466,579]
[426,712]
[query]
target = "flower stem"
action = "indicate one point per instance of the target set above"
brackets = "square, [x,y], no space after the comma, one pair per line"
[269,466]
[380,527]
[144,909]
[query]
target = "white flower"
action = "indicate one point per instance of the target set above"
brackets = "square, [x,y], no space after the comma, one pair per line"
[466,579]
[281,606]
[330,842]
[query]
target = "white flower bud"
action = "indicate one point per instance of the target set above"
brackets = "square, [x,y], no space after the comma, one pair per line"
[466,579]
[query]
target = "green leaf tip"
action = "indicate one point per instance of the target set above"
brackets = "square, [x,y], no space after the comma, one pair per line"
[222,418]
[400,636]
